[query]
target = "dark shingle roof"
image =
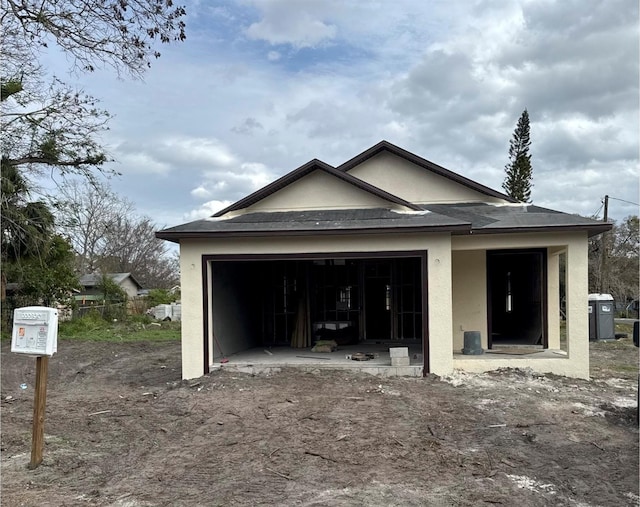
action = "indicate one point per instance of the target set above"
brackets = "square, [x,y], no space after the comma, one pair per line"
[491,218]
[315,222]
[455,218]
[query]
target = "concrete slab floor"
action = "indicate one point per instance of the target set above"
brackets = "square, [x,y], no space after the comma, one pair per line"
[263,359]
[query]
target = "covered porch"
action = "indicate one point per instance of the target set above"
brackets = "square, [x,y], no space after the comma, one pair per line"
[527,297]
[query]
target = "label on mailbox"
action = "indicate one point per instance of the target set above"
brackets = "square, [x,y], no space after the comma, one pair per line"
[35,331]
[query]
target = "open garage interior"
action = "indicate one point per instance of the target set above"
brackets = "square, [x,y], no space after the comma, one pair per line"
[297,301]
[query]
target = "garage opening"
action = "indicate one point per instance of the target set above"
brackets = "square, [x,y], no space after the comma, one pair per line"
[294,302]
[516,283]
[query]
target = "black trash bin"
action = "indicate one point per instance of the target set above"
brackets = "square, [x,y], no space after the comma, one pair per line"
[601,317]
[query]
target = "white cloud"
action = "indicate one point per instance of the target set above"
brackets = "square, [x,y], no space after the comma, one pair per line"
[200,151]
[300,24]
[216,118]
[206,210]
[141,162]
[200,192]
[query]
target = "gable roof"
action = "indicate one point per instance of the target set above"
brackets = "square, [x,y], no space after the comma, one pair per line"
[425,164]
[300,172]
[458,218]
[93,279]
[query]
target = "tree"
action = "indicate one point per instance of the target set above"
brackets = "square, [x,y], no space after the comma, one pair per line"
[623,256]
[108,236]
[47,123]
[517,182]
[96,33]
[132,246]
[45,278]
[33,256]
[26,226]
[85,212]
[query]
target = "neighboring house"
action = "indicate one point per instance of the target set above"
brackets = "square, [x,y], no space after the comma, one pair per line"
[91,285]
[387,247]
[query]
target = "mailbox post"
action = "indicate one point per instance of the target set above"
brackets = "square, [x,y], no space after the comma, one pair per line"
[35,333]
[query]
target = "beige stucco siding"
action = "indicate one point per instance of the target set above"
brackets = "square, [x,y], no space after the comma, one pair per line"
[413,183]
[319,190]
[438,247]
[469,275]
[192,318]
[577,305]
[553,297]
[456,290]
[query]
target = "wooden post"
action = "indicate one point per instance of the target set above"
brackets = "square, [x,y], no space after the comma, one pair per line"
[604,277]
[39,401]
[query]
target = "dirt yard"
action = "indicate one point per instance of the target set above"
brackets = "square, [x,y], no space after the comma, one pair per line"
[122,429]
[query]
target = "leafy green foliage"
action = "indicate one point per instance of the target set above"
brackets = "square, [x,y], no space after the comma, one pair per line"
[26,226]
[8,87]
[39,261]
[111,291]
[517,183]
[46,278]
[161,297]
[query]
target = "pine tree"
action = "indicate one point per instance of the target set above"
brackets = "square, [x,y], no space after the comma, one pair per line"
[517,183]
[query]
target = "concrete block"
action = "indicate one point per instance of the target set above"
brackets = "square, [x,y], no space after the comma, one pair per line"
[399,352]
[400,361]
[407,372]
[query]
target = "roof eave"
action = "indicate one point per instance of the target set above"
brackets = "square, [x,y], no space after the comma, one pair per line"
[176,236]
[592,230]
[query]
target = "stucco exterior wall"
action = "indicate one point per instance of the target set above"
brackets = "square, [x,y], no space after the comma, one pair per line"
[191,299]
[456,283]
[319,190]
[413,183]
[553,297]
[469,295]
[575,245]
[438,247]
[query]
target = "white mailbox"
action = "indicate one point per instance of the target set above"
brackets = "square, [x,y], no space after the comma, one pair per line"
[35,331]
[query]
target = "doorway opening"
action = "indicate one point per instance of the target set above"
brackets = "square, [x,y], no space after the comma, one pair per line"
[516,286]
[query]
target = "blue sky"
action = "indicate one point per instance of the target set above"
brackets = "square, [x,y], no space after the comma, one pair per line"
[262,86]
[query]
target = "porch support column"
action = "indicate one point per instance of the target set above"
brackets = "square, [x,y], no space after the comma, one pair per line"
[440,305]
[553,298]
[191,297]
[577,305]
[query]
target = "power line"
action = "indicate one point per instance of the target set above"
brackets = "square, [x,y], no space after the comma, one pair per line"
[622,200]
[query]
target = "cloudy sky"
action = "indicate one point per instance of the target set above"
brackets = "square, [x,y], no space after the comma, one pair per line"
[262,86]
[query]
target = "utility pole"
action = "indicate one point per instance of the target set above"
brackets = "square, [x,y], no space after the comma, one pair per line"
[604,280]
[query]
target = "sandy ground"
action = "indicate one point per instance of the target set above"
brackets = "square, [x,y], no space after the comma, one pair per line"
[122,429]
